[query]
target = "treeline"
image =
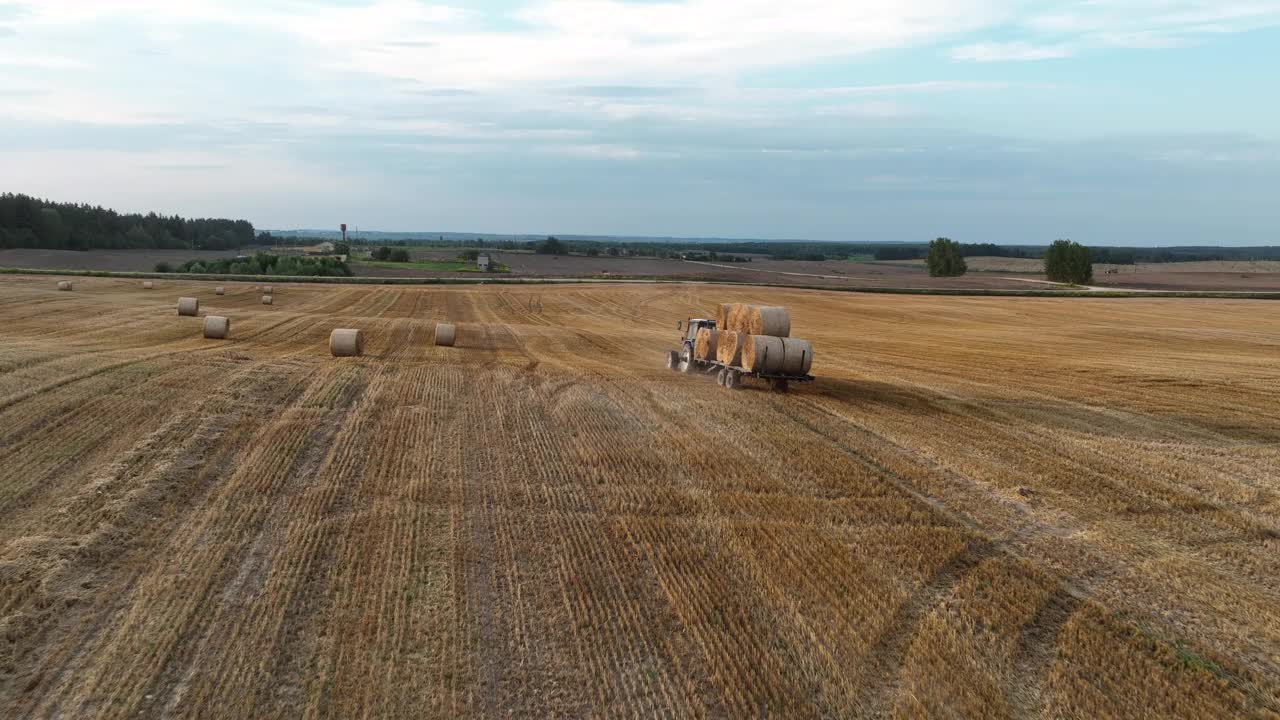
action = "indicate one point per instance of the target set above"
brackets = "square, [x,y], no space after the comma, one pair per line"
[916,252]
[28,222]
[263,264]
[1103,255]
[744,251]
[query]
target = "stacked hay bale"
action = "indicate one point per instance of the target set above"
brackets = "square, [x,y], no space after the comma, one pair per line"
[706,343]
[729,347]
[757,338]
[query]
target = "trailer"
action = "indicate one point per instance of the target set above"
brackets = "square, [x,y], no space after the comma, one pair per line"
[727,376]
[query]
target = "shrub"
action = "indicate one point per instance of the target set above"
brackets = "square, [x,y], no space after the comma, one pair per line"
[551,246]
[1068,262]
[945,259]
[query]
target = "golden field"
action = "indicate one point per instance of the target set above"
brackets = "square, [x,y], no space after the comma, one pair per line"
[984,507]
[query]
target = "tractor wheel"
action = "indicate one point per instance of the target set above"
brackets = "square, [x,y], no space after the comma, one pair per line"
[687,364]
[673,360]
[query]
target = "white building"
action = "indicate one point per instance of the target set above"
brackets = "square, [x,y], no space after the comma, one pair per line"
[482,262]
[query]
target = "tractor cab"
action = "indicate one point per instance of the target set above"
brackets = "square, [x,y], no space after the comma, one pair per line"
[683,359]
[692,326]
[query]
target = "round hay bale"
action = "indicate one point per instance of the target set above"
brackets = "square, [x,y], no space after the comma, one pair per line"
[219,290]
[266,289]
[64,285]
[147,285]
[722,316]
[705,344]
[446,334]
[267,300]
[797,356]
[765,320]
[735,321]
[763,353]
[346,343]
[729,347]
[188,306]
[217,327]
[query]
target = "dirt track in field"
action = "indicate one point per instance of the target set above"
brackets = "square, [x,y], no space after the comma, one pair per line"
[1014,507]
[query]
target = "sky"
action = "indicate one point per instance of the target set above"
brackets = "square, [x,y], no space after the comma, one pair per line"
[1123,122]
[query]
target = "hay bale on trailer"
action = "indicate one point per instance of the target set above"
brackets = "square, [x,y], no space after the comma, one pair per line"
[797,356]
[446,334]
[754,319]
[217,327]
[346,343]
[148,285]
[705,344]
[219,290]
[188,306]
[763,353]
[766,320]
[729,347]
[267,300]
[64,285]
[723,311]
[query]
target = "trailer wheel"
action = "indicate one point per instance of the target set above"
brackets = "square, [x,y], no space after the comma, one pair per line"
[673,360]
[779,385]
[732,379]
[720,377]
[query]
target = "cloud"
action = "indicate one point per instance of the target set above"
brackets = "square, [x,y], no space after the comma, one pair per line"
[741,116]
[1058,30]
[630,91]
[1018,50]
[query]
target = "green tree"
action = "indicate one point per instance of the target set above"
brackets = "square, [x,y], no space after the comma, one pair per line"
[50,228]
[945,259]
[399,255]
[342,248]
[552,246]
[381,253]
[1068,262]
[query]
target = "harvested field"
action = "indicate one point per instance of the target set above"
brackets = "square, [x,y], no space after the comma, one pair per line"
[985,507]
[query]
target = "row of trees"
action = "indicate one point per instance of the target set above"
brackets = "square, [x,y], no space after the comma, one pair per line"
[263,264]
[386,254]
[28,222]
[916,252]
[1064,261]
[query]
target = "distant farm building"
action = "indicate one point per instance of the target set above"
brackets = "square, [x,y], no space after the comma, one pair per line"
[324,248]
[482,262]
